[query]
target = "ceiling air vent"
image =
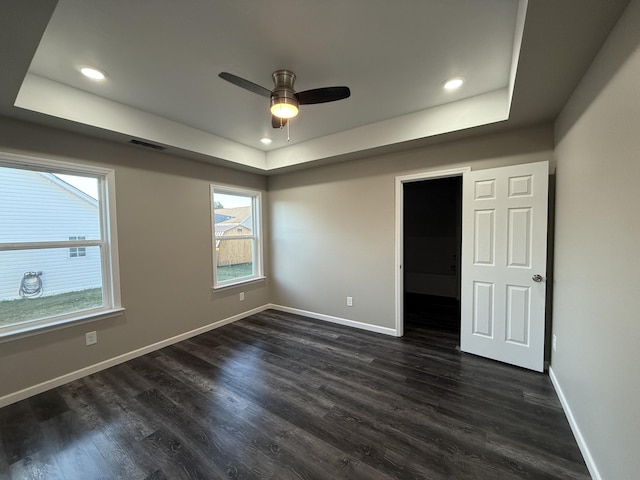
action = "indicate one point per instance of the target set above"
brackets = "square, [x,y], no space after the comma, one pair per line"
[153,146]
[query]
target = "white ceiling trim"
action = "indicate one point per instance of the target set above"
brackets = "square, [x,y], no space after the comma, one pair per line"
[471,112]
[517,46]
[52,98]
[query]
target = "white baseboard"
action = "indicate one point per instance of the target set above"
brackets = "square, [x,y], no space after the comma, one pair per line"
[83,372]
[584,449]
[338,320]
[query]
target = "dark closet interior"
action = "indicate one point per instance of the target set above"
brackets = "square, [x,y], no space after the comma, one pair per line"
[432,243]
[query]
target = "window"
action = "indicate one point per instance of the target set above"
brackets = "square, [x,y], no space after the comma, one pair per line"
[237,243]
[75,252]
[43,204]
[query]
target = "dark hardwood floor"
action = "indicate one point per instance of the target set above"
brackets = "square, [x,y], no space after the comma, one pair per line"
[279,396]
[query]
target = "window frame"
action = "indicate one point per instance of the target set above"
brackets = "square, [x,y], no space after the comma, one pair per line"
[111,300]
[256,235]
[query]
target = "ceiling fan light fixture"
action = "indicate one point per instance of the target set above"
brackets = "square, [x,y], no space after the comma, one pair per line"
[284,100]
[284,107]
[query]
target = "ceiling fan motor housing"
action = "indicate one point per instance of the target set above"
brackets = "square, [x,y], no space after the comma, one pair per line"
[283,91]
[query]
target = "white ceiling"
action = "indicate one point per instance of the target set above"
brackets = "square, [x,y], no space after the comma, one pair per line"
[162,59]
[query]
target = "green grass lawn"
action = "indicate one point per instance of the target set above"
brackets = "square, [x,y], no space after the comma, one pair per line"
[230,272]
[25,309]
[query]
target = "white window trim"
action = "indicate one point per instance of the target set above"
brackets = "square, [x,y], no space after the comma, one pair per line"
[112,304]
[256,205]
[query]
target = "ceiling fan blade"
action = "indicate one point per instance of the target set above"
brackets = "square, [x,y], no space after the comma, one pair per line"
[277,122]
[323,95]
[246,84]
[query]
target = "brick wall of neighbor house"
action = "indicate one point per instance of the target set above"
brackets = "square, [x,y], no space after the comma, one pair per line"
[36,208]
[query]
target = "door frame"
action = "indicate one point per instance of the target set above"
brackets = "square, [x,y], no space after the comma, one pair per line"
[399,231]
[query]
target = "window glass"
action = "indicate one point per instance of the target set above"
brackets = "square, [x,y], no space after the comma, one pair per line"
[236,233]
[55,251]
[43,206]
[42,283]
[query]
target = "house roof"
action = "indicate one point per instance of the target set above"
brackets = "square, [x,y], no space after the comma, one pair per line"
[69,188]
[521,60]
[233,218]
[234,215]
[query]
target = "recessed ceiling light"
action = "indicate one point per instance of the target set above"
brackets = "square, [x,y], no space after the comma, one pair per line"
[92,73]
[453,83]
[265,140]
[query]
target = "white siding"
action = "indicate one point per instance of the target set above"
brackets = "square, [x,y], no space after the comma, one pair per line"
[37,206]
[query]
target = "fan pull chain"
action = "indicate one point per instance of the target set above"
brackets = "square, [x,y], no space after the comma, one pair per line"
[288,130]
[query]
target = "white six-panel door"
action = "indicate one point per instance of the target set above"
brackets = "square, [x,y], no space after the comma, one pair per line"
[504,255]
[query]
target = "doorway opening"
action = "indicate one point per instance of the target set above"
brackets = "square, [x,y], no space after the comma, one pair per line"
[432,241]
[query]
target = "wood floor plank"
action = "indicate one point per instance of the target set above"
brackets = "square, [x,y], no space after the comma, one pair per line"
[281,396]
[183,463]
[19,431]
[40,465]
[116,431]
[4,463]
[71,441]
[553,465]
[48,405]
[275,435]
[283,381]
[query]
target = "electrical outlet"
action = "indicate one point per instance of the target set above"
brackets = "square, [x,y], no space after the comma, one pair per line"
[242,296]
[554,342]
[349,301]
[91,338]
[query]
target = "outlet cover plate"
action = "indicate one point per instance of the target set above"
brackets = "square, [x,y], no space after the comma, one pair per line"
[91,338]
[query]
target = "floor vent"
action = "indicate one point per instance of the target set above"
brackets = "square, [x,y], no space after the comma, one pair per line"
[141,143]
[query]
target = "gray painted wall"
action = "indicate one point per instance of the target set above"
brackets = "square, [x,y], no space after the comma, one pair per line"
[164,239]
[333,227]
[596,302]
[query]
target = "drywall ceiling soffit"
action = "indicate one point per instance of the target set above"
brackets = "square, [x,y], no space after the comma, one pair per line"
[162,66]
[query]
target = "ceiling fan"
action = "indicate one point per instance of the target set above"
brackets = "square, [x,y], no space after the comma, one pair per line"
[284,99]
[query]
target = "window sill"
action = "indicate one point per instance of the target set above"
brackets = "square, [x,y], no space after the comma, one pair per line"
[238,283]
[26,330]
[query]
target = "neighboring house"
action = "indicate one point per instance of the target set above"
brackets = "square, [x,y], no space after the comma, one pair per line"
[27,201]
[231,222]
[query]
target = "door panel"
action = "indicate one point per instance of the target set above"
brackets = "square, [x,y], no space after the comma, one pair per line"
[518,308]
[504,243]
[484,245]
[519,242]
[483,309]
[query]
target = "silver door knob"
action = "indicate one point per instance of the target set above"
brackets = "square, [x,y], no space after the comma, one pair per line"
[537,278]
